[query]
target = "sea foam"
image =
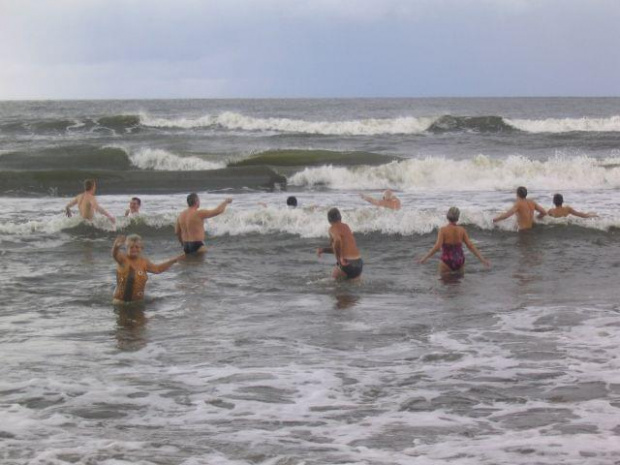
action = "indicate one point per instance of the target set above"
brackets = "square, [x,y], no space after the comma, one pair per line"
[478,173]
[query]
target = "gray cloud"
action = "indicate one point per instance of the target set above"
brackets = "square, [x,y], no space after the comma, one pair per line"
[271,48]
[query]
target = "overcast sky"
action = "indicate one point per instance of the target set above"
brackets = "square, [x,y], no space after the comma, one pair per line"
[55,49]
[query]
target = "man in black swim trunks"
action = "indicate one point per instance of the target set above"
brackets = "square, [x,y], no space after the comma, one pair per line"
[190,228]
[349,263]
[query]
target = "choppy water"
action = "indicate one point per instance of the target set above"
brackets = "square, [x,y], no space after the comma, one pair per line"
[255,356]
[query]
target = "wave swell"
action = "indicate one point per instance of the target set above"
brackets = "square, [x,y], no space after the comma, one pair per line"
[478,173]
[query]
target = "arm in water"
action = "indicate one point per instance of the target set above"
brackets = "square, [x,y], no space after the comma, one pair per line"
[72,203]
[435,248]
[470,245]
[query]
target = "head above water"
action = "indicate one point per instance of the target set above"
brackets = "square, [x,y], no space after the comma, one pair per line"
[135,204]
[453,214]
[388,194]
[89,185]
[291,201]
[521,192]
[133,244]
[193,200]
[333,215]
[558,200]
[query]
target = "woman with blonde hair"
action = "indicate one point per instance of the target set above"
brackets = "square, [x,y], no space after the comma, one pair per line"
[132,269]
[450,240]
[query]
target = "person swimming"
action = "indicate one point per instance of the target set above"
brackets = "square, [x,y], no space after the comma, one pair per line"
[389,200]
[450,239]
[132,269]
[560,210]
[87,203]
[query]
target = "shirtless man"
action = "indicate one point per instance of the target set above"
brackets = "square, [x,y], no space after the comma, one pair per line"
[87,203]
[134,207]
[349,262]
[389,200]
[190,228]
[560,211]
[524,209]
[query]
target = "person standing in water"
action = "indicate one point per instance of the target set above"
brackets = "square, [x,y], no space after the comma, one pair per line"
[190,228]
[132,269]
[524,209]
[134,207]
[561,211]
[450,239]
[349,263]
[389,200]
[87,203]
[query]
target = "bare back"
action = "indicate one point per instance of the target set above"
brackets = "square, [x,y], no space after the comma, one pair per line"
[191,225]
[452,234]
[349,246]
[525,213]
[87,205]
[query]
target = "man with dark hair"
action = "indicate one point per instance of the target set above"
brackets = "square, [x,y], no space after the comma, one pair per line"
[560,211]
[349,262]
[524,209]
[87,203]
[190,228]
[134,207]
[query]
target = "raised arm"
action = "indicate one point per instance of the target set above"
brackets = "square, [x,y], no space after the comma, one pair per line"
[160,268]
[204,214]
[116,250]
[470,245]
[574,212]
[435,248]
[505,215]
[369,199]
[72,203]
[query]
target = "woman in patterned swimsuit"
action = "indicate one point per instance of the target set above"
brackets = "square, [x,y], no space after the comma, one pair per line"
[131,273]
[450,240]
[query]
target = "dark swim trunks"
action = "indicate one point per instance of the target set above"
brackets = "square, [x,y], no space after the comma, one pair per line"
[452,255]
[353,268]
[192,247]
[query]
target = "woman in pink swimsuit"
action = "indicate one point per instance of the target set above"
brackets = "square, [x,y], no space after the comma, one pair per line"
[450,240]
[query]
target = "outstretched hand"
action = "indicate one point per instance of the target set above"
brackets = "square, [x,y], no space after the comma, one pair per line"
[422,260]
[228,200]
[68,212]
[319,252]
[120,240]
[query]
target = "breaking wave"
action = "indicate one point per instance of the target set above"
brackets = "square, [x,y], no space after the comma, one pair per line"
[478,173]
[308,222]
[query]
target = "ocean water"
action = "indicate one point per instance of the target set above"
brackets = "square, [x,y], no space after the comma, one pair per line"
[254,355]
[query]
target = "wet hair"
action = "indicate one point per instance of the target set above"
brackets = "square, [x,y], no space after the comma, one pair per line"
[558,200]
[89,184]
[192,199]
[453,214]
[291,201]
[333,215]
[388,194]
[137,199]
[132,238]
[521,192]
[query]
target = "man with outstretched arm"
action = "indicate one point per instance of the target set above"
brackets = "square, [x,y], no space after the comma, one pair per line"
[524,209]
[349,262]
[560,210]
[190,228]
[389,200]
[87,203]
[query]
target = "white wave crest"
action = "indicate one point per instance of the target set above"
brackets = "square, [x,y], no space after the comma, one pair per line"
[558,125]
[237,121]
[308,222]
[478,173]
[162,160]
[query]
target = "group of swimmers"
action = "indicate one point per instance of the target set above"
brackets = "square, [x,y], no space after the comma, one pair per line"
[132,269]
